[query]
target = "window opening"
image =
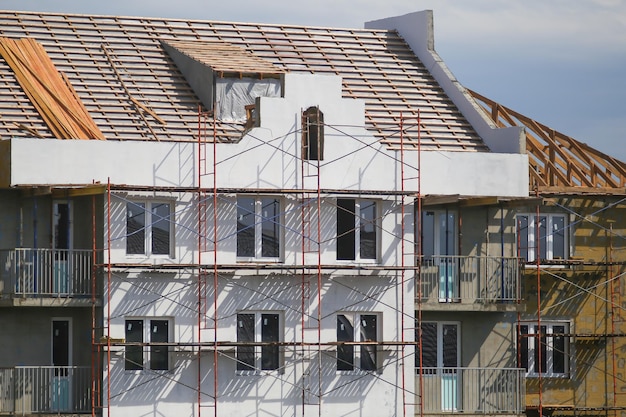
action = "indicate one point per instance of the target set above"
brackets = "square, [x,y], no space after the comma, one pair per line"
[439,250]
[313,134]
[545,352]
[258,227]
[258,327]
[148,225]
[357,328]
[552,237]
[357,228]
[152,331]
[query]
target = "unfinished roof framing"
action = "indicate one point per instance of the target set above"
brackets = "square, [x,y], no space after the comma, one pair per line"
[115,62]
[557,162]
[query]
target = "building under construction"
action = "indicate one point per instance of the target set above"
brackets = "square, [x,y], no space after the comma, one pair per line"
[222,219]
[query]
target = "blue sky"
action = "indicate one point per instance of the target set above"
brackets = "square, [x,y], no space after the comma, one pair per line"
[561,62]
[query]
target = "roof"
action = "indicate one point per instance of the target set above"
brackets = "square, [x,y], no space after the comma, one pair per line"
[133,90]
[557,162]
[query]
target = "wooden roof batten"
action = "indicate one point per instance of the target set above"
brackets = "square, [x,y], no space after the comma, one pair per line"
[376,66]
[557,162]
[224,59]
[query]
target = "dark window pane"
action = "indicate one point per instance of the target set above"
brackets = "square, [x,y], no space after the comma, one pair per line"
[447,226]
[158,354]
[368,334]
[345,353]
[161,229]
[558,352]
[245,334]
[523,346]
[246,221]
[428,234]
[270,212]
[346,229]
[558,237]
[543,237]
[60,342]
[429,345]
[540,349]
[135,228]
[134,354]
[313,134]
[62,226]
[269,333]
[367,243]
[450,346]
[522,236]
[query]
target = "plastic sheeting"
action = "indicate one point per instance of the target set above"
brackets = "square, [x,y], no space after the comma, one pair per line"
[232,95]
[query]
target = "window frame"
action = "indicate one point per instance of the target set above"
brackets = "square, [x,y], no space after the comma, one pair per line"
[440,345]
[277,222]
[530,239]
[148,352]
[529,355]
[358,361]
[147,206]
[260,353]
[351,237]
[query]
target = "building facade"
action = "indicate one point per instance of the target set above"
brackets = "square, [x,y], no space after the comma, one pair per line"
[280,220]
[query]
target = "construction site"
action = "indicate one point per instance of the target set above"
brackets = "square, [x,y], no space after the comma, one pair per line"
[223,219]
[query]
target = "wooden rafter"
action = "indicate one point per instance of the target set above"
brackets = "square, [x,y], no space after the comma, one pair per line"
[555,159]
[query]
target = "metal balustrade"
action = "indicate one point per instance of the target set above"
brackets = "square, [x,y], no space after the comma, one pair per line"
[472,390]
[469,279]
[26,390]
[45,272]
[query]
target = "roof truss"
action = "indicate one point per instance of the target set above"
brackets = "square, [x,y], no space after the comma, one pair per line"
[557,161]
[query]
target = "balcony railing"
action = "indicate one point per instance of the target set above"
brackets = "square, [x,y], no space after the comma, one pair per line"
[472,390]
[26,390]
[469,279]
[45,272]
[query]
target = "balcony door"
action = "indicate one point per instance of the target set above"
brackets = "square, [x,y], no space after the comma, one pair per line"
[439,247]
[60,384]
[441,358]
[61,245]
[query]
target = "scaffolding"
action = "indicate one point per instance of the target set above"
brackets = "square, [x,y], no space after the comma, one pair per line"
[310,197]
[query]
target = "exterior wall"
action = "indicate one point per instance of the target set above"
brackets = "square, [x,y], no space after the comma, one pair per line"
[582,295]
[487,339]
[30,333]
[269,392]
[363,163]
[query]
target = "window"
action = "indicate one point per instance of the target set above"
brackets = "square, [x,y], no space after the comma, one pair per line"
[545,351]
[147,331]
[313,134]
[258,227]
[547,231]
[253,328]
[356,229]
[440,346]
[148,228]
[357,327]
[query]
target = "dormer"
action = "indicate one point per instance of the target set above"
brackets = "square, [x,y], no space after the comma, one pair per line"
[226,78]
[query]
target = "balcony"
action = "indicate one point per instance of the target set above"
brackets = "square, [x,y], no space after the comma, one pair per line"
[469,282]
[26,390]
[471,390]
[27,275]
